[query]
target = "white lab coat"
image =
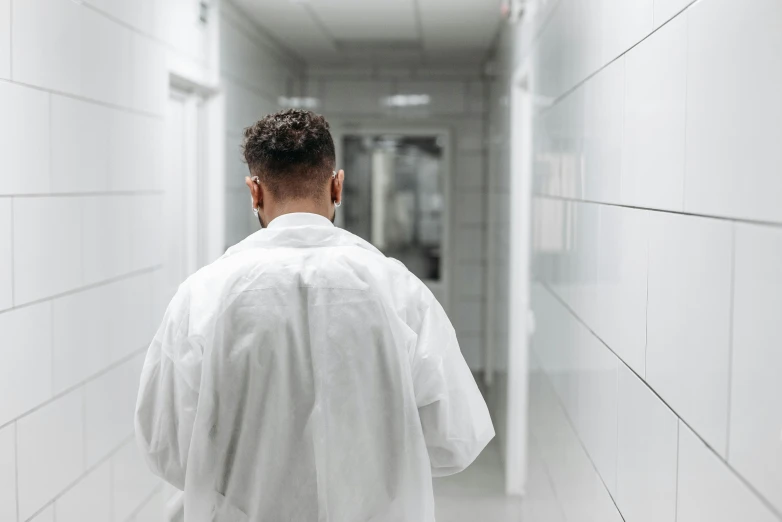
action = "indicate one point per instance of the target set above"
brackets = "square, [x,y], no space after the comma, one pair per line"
[306,377]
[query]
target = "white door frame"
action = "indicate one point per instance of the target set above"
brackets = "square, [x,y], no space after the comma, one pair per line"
[520,318]
[206,193]
[340,130]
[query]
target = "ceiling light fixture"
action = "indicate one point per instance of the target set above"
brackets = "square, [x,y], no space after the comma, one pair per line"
[298,102]
[407,100]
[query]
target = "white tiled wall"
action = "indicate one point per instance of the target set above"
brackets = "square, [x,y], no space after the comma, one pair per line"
[255,73]
[354,97]
[657,251]
[82,93]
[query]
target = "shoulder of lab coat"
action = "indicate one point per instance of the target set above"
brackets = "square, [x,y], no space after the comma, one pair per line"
[168,392]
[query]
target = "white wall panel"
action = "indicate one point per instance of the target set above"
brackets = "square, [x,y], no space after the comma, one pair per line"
[595,416]
[654,125]
[139,14]
[647,453]
[468,316]
[80,337]
[734,127]
[47,44]
[346,97]
[136,152]
[24,140]
[756,391]
[5,38]
[47,247]
[146,237]
[52,434]
[578,486]
[47,515]
[603,121]
[27,368]
[622,275]
[6,254]
[130,312]
[469,135]
[468,207]
[106,236]
[80,145]
[152,509]
[149,75]
[708,490]
[8,473]
[664,10]
[470,279]
[469,171]
[624,23]
[688,351]
[110,404]
[468,245]
[105,58]
[89,500]
[131,480]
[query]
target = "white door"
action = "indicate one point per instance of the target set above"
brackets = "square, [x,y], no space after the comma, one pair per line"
[181,185]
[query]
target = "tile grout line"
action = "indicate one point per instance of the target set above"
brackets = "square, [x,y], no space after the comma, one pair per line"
[719,457]
[78,97]
[581,443]
[775,224]
[144,502]
[550,480]
[81,477]
[557,99]
[32,195]
[119,362]
[92,286]
[730,338]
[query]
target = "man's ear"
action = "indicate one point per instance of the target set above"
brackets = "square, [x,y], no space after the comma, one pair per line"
[337,186]
[256,191]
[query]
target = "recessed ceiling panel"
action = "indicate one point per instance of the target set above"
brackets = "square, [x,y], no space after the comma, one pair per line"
[368,19]
[449,24]
[291,25]
[370,31]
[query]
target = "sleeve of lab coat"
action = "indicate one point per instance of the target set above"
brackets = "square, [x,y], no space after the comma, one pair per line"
[454,416]
[168,395]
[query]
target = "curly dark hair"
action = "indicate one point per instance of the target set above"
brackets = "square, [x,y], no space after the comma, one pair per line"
[292,152]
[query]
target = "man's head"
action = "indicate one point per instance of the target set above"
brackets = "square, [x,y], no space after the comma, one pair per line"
[291,159]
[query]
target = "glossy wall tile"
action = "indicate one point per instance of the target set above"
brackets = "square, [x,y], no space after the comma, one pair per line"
[656,242]
[755,448]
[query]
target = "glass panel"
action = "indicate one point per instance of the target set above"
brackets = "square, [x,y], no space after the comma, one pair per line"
[394,197]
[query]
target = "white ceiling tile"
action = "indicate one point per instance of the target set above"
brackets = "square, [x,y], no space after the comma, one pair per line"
[370,32]
[362,20]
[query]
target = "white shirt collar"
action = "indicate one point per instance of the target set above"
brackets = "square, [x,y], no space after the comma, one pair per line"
[299,219]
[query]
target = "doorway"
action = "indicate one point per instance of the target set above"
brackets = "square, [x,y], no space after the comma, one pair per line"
[397,192]
[192,184]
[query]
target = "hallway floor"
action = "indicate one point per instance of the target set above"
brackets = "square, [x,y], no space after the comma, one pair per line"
[476,494]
